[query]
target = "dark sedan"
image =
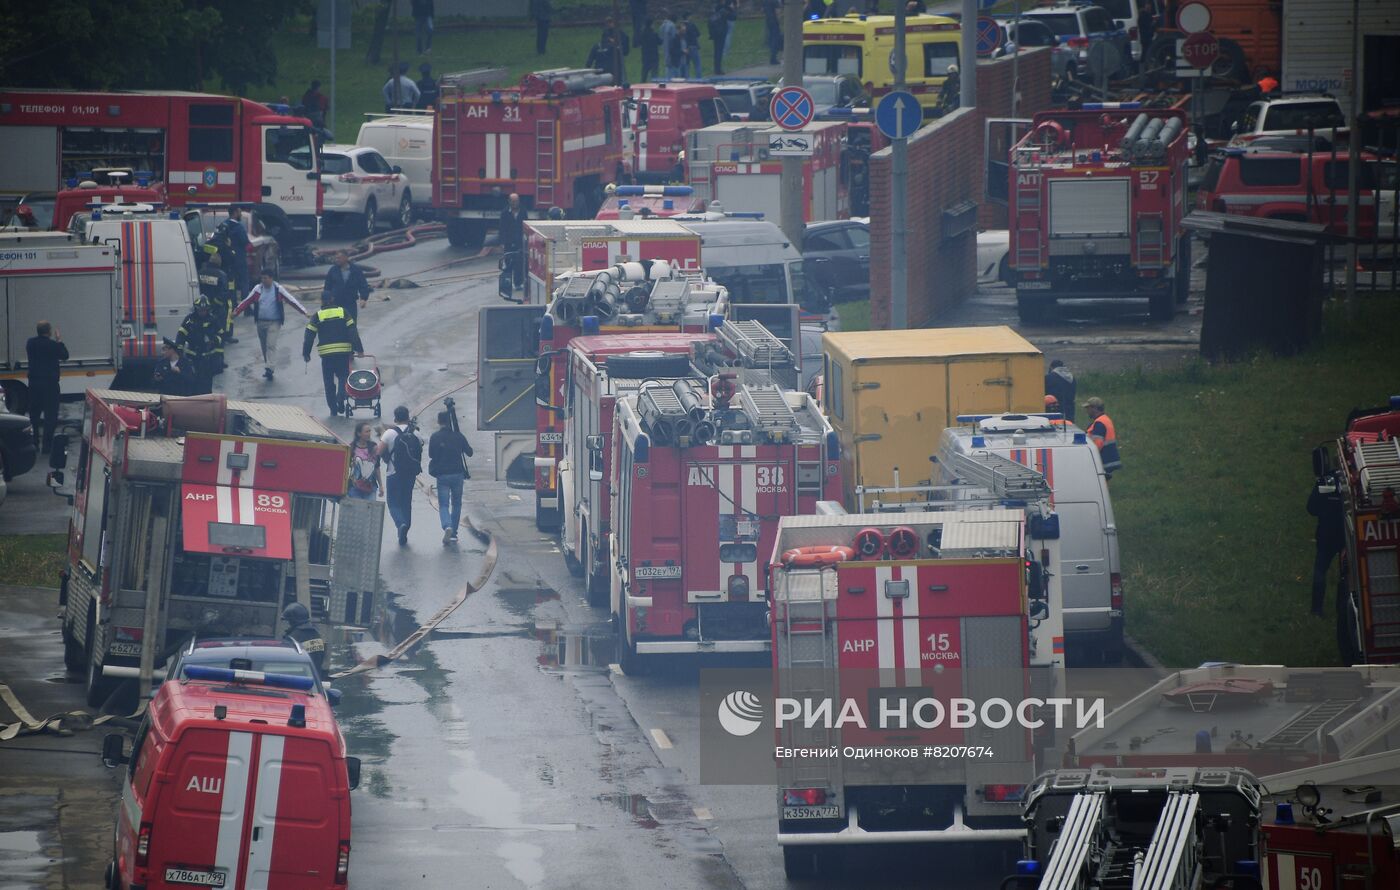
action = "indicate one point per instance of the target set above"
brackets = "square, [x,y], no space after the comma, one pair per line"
[836,257]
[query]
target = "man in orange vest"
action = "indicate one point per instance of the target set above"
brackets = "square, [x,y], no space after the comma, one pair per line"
[1105,437]
[1052,406]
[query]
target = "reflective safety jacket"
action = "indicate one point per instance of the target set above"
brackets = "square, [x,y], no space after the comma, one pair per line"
[1106,437]
[336,331]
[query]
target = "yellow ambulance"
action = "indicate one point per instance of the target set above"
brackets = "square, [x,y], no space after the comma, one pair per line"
[863,45]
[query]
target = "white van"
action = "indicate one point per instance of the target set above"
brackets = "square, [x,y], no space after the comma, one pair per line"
[405,139]
[1090,572]
[159,280]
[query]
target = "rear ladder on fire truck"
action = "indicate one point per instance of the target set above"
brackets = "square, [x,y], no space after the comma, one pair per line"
[1172,859]
[1069,867]
[1086,855]
[807,657]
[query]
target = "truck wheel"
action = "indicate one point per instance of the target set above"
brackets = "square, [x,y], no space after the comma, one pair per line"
[546,518]
[1231,64]
[16,396]
[371,223]
[1161,303]
[405,216]
[99,688]
[632,663]
[72,652]
[598,583]
[1182,284]
[1348,627]
[1032,308]
[469,233]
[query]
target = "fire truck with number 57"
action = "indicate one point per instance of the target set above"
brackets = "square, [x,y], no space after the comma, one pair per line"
[1096,201]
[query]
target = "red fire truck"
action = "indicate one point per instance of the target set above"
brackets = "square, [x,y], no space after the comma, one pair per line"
[632,298]
[740,165]
[555,140]
[702,472]
[656,118]
[654,201]
[205,516]
[553,247]
[1097,198]
[600,369]
[1366,479]
[895,609]
[204,148]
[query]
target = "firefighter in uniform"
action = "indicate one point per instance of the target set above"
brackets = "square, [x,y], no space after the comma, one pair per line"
[339,339]
[300,629]
[1103,434]
[201,340]
[214,284]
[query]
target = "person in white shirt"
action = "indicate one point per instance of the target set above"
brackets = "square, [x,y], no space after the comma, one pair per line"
[407,90]
[269,299]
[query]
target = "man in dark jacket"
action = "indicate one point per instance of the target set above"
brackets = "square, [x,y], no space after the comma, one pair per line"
[423,25]
[345,286]
[448,451]
[237,233]
[512,233]
[1325,503]
[45,352]
[651,52]
[540,11]
[427,86]
[606,55]
[301,630]
[171,374]
[201,339]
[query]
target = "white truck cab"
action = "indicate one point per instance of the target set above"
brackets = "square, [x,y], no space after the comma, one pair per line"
[159,279]
[1090,570]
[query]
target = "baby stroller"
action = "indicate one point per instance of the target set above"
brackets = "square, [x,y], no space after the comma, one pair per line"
[363,386]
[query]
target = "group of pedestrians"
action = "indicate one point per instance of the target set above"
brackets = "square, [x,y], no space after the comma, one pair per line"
[402,91]
[671,48]
[392,464]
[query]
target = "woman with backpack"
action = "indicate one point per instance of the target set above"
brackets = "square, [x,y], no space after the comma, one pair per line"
[402,453]
[364,464]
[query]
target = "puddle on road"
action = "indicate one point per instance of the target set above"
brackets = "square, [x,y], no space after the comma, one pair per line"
[523,600]
[575,648]
[635,805]
[22,860]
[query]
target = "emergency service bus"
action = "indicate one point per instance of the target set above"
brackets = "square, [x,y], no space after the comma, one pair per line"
[205,148]
[863,45]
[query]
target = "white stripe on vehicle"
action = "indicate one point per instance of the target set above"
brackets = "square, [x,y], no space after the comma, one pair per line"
[264,814]
[229,853]
[910,623]
[581,142]
[249,477]
[245,507]
[223,503]
[884,625]
[225,473]
[490,155]
[503,158]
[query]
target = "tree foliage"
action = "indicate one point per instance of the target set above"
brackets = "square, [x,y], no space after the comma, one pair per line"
[141,44]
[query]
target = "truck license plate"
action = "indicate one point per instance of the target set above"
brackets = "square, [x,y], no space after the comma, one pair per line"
[830,811]
[126,331]
[208,878]
[1033,285]
[551,438]
[124,649]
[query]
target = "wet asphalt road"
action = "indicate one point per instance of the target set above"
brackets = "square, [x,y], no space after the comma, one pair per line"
[506,751]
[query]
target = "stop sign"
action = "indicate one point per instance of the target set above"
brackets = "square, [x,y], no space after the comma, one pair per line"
[1200,50]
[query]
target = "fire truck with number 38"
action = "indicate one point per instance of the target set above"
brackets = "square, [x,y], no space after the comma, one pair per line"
[703,469]
[1096,201]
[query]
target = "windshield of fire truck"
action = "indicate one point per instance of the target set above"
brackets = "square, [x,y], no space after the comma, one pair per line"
[291,146]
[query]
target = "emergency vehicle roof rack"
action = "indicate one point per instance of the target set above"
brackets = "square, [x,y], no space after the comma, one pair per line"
[1378,467]
[476,77]
[1003,477]
[754,344]
[768,409]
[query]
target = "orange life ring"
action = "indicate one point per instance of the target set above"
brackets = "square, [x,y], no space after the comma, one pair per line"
[819,555]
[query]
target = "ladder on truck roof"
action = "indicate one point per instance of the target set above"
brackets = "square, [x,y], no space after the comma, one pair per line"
[1071,862]
[1378,465]
[768,409]
[1173,857]
[754,344]
[1002,476]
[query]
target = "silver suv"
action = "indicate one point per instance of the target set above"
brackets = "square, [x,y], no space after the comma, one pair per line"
[1082,28]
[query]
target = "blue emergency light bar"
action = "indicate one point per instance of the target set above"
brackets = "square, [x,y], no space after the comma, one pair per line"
[670,190]
[745,214]
[1109,106]
[228,675]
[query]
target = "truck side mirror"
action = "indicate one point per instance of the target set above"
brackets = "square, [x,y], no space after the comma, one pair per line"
[593,443]
[58,452]
[333,695]
[313,175]
[1322,462]
[113,753]
[352,772]
[542,369]
[396,169]
[595,465]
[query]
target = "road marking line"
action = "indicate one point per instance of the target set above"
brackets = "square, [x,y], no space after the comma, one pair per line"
[703,814]
[660,738]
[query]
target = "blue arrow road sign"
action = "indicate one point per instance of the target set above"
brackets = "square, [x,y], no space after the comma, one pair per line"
[792,108]
[899,114]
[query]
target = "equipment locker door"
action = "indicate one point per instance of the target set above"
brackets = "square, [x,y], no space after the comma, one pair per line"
[979,386]
[889,436]
[294,822]
[508,346]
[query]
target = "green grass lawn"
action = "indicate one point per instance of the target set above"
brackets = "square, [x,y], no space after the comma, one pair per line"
[456,47]
[854,316]
[1215,539]
[32,560]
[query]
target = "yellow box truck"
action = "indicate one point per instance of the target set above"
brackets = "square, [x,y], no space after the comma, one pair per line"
[890,394]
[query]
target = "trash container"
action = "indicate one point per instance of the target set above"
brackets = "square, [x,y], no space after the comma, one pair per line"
[1264,284]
